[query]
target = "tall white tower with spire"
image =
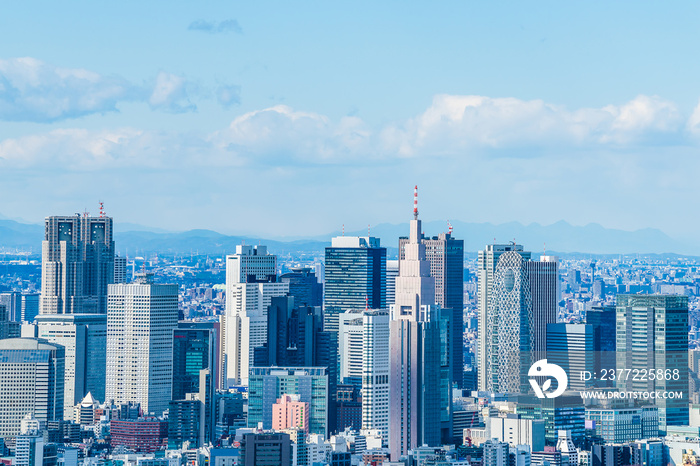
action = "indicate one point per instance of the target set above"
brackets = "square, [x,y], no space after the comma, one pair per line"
[415,287]
[414,365]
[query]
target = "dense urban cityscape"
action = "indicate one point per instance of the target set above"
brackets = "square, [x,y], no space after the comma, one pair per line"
[348,356]
[349,233]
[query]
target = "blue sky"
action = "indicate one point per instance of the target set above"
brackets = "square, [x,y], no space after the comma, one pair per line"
[293,118]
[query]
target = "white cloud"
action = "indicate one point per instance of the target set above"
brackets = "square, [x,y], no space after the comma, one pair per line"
[282,135]
[453,127]
[643,117]
[457,123]
[170,94]
[693,125]
[31,90]
[82,150]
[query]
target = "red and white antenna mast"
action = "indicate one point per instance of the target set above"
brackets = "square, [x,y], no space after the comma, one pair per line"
[102,209]
[415,203]
[449,228]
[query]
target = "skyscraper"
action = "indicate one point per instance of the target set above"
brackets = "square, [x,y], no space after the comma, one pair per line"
[414,367]
[304,286]
[571,347]
[543,276]
[375,371]
[355,269]
[517,299]
[350,346]
[295,338]
[120,269]
[31,381]
[652,337]
[13,305]
[84,337]
[364,363]
[141,317]
[392,271]
[446,257]
[487,261]
[8,328]
[192,417]
[194,348]
[603,321]
[30,307]
[77,265]
[509,335]
[251,283]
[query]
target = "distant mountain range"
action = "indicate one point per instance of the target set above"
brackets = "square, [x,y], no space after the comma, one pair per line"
[561,237]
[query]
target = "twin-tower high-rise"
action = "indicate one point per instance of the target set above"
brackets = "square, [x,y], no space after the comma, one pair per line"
[77,267]
[77,264]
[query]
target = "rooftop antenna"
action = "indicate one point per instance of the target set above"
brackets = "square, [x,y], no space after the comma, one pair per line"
[415,203]
[102,209]
[343,229]
[368,229]
[449,227]
[544,248]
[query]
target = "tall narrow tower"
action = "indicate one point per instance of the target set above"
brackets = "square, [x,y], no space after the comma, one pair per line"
[414,366]
[414,285]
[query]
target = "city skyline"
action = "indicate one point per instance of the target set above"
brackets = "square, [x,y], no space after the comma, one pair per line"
[524,106]
[206,256]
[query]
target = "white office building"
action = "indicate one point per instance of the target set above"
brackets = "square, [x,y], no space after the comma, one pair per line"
[250,264]
[84,337]
[364,356]
[375,372]
[31,381]
[251,283]
[392,271]
[141,317]
[514,430]
[350,345]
